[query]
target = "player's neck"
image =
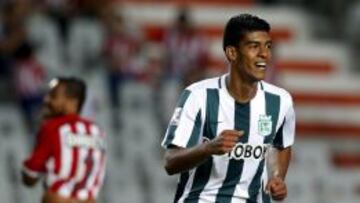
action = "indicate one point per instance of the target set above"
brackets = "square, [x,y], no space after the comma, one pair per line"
[70,109]
[241,90]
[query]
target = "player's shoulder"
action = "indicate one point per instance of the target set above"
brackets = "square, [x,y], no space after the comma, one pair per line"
[205,84]
[91,123]
[59,121]
[198,90]
[51,123]
[276,90]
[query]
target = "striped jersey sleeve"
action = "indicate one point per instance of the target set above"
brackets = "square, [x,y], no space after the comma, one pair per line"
[185,125]
[36,163]
[285,135]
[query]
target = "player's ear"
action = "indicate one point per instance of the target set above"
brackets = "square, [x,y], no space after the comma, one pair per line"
[230,52]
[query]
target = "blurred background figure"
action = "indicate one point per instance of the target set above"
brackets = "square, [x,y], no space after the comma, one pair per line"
[12,36]
[19,63]
[135,56]
[45,36]
[185,60]
[124,58]
[352,33]
[186,55]
[29,82]
[69,156]
[85,35]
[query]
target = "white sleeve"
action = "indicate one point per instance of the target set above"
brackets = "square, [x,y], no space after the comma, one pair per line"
[285,135]
[184,128]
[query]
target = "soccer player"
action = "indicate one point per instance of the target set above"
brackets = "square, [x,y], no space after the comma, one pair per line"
[223,128]
[70,150]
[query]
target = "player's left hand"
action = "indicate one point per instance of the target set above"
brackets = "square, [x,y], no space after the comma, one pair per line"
[277,188]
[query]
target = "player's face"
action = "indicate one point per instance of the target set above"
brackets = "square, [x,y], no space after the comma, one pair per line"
[254,55]
[55,100]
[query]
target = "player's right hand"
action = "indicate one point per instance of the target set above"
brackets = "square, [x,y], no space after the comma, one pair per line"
[224,143]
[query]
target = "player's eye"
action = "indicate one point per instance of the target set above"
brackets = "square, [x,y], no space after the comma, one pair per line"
[254,45]
[269,46]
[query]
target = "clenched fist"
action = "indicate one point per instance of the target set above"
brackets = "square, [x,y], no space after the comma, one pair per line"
[277,188]
[224,143]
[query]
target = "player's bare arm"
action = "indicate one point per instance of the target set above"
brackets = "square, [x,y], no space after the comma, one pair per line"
[180,159]
[279,160]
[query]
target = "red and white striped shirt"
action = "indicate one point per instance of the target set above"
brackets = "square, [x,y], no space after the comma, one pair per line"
[70,152]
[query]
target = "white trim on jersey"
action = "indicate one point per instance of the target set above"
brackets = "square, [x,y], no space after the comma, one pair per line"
[83,152]
[66,162]
[80,168]
[66,153]
[94,131]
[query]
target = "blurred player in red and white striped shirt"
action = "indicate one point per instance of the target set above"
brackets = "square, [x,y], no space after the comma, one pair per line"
[70,150]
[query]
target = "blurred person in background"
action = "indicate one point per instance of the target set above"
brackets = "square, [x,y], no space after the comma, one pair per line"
[186,60]
[70,150]
[124,56]
[29,79]
[4,60]
[12,35]
[223,128]
[19,66]
[62,12]
[352,32]
[45,36]
[85,38]
[186,55]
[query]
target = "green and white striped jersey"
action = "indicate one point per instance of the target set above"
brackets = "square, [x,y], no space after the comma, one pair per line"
[203,111]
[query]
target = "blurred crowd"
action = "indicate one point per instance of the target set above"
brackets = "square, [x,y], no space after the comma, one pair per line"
[41,39]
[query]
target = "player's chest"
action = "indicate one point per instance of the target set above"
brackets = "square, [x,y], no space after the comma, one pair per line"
[252,118]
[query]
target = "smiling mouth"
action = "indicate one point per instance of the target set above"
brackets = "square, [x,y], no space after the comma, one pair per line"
[261,65]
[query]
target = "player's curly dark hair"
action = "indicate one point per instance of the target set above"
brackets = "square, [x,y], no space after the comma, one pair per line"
[239,25]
